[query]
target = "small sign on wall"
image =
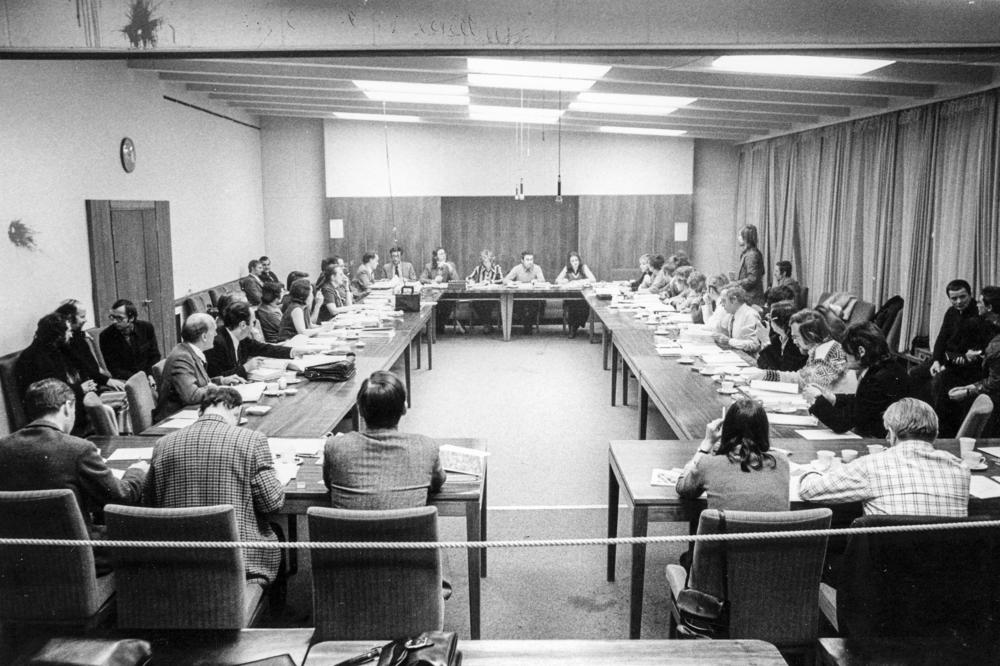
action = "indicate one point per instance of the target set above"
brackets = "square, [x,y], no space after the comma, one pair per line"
[336,229]
[680,232]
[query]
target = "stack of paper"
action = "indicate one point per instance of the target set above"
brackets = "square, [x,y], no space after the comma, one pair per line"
[665,477]
[792,419]
[251,392]
[462,459]
[723,357]
[823,434]
[286,448]
[134,453]
[982,487]
[181,419]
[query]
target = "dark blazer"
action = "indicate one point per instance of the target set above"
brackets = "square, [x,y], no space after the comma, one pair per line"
[38,362]
[223,359]
[81,356]
[949,327]
[269,276]
[125,357]
[39,456]
[787,359]
[253,288]
[184,380]
[751,275]
[883,384]
[405,271]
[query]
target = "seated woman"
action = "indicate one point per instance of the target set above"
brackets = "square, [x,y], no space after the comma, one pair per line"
[645,274]
[268,312]
[825,359]
[337,296]
[882,380]
[380,467]
[659,277]
[678,283]
[440,272]
[487,272]
[690,297]
[296,319]
[734,465]
[577,310]
[711,313]
[781,353]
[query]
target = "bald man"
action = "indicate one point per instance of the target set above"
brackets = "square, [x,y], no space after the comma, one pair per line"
[185,375]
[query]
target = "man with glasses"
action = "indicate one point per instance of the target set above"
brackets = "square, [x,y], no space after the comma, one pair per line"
[82,348]
[128,344]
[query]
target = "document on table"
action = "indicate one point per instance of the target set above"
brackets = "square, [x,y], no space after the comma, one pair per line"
[665,477]
[823,434]
[776,387]
[725,357]
[136,453]
[289,447]
[791,419]
[286,472]
[991,450]
[982,487]
[251,392]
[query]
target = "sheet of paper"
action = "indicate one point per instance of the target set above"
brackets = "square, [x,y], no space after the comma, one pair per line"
[286,472]
[463,459]
[665,477]
[118,473]
[793,488]
[722,358]
[992,450]
[791,419]
[822,434]
[251,392]
[775,387]
[982,487]
[137,453]
[175,423]
[295,446]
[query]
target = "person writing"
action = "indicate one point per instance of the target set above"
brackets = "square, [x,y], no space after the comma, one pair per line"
[825,359]
[746,332]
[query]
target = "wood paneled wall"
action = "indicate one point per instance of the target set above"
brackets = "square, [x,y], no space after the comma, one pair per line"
[508,227]
[608,231]
[377,223]
[615,230]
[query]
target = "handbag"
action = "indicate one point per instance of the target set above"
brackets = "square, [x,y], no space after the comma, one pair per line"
[336,371]
[407,300]
[704,615]
[440,649]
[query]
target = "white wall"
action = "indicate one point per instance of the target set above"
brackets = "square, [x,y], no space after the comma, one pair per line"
[60,127]
[437,160]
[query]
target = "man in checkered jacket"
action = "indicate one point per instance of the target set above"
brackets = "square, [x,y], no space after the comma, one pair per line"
[213,461]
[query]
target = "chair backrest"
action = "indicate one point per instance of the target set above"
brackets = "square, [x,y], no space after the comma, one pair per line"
[803,299]
[178,588]
[941,583]
[621,274]
[977,418]
[157,372]
[16,417]
[773,585]
[101,416]
[863,311]
[45,583]
[213,296]
[141,402]
[358,594]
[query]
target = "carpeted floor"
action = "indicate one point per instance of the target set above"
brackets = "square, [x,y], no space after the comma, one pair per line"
[542,402]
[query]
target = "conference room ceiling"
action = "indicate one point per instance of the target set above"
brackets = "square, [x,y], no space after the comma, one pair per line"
[728,105]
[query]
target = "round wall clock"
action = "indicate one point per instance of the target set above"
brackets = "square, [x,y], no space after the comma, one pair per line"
[127,153]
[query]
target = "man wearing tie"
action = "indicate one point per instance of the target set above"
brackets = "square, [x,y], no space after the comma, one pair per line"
[397,268]
[234,352]
[745,331]
[185,378]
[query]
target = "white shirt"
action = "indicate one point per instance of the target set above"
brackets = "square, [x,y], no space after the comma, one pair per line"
[747,332]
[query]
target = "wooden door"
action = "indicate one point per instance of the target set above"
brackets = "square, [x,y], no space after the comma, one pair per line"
[130,258]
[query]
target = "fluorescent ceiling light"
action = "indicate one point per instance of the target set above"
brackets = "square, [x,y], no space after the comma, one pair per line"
[540,68]
[626,109]
[634,100]
[802,65]
[388,118]
[414,93]
[514,114]
[652,131]
[528,82]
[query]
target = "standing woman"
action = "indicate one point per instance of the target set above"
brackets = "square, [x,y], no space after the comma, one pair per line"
[751,273]
[440,272]
[487,272]
[577,311]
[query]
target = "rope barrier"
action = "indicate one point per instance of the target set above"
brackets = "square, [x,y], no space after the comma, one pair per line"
[540,543]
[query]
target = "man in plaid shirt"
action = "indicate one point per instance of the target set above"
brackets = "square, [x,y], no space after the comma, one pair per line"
[213,461]
[911,477]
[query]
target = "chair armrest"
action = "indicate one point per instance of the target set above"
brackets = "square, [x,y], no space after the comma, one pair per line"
[676,579]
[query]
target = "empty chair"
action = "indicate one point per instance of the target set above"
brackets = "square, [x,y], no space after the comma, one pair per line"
[181,588]
[49,584]
[977,418]
[918,584]
[773,585]
[358,594]
[101,416]
[141,402]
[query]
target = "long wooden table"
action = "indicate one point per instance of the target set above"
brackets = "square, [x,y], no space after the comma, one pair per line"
[581,652]
[461,496]
[630,466]
[506,297]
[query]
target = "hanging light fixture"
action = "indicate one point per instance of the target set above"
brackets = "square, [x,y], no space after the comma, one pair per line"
[559,154]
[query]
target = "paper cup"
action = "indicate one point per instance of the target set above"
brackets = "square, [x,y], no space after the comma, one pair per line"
[849,454]
[824,459]
[966,444]
[875,448]
[727,385]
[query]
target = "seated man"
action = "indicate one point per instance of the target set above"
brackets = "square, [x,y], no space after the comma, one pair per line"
[128,344]
[212,461]
[745,329]
[252,283]
[234,352]
[908,478]
[266,274]
[526,271]
[783,278]
[397,268]
[43,456]
[364,277]
[82,348]
[963,306]
[380,467]
[185,377]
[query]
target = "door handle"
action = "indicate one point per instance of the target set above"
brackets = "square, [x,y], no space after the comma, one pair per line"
[147,302]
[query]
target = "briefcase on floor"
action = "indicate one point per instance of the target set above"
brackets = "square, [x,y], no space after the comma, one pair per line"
[407,301]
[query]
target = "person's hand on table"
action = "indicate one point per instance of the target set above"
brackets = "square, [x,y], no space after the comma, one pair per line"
[88,386]
[232,380]
[141,465]
[721,339]
[299,352]
[751,374]
[973,355]
[253,363]
[814,391]
[960,393]
[438,278]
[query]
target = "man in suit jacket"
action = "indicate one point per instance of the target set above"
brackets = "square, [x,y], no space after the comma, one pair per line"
[266,274]
[365,275]
[185,377]
[128,344]
[82,348]
[397,268]
[233,349]
[212,462]
[43,456]
[252,284]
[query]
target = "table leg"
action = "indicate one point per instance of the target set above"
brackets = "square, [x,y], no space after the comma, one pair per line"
[612,521]
[432,324]
[640,523]
[506,314]
[419,340]
[473,532]
[406,370]
[625,370]
[591,321]
[430,359]
[643,410]
[605,343]
[614,374]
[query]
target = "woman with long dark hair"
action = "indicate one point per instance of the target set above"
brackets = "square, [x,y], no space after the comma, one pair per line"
[577,311]
[751,273]
[734,464]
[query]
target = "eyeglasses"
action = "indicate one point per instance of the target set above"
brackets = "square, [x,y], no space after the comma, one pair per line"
[117,317]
